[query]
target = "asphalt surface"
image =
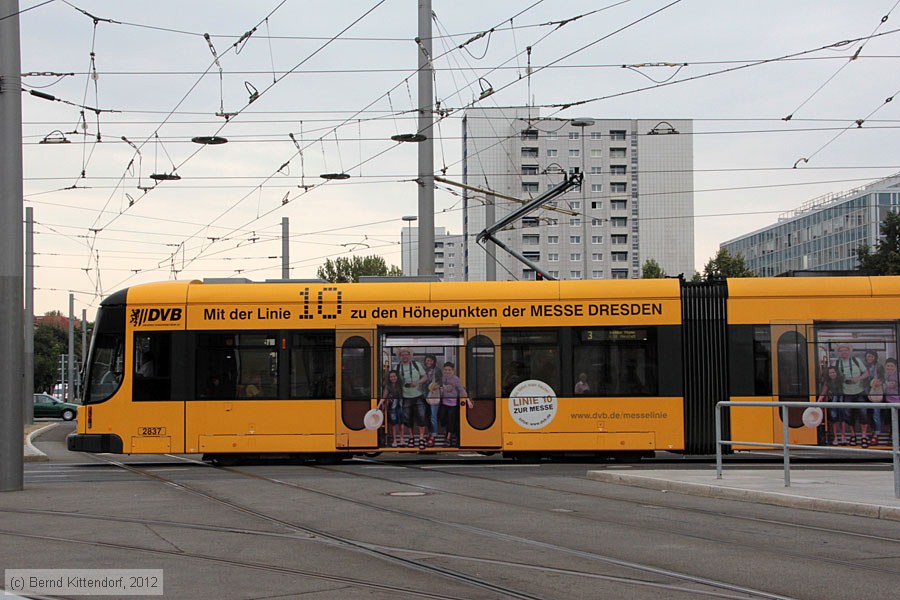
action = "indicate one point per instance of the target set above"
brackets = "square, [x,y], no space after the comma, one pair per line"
[458,526]
[858,489]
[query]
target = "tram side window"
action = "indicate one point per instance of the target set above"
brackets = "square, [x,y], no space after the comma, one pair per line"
[312,365]
[530,354]
[762,361]
[480,378]
[862,356]
[615,362]
[356,370]
[152,366]
[792,365]
[750,360]
[237,365]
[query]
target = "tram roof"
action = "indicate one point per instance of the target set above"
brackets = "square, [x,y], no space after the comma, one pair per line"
[238,291]
[287,291]
[806,287]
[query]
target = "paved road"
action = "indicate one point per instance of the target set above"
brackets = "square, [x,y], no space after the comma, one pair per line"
[447,527]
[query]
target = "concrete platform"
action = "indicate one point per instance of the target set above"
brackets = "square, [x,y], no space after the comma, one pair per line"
[865,492]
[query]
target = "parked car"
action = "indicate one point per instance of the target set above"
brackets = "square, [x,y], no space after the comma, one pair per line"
[46,405]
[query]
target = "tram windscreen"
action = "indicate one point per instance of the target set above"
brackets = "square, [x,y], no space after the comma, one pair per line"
[106,360]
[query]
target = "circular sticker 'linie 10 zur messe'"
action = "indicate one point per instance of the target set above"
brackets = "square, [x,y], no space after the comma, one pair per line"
[532,404]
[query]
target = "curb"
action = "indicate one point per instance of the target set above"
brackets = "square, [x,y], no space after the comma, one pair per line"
[31,453]
[875,511]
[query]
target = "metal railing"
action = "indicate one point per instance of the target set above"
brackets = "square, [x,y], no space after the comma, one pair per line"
[787,447]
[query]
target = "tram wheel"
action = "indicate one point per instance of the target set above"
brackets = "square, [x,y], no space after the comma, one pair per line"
[330,459]
[525,458]
[628,457]
[223,460]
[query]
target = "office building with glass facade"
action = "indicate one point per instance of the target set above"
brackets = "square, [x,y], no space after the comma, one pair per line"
[823,234]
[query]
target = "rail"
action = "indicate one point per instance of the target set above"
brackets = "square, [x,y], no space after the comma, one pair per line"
[786,446]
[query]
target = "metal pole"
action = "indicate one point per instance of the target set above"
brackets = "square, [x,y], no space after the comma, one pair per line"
[718,441]
[408,269]
[84,351]
[285,249]
[895,448]
[465,198]
[490,248]
[784,443]
[895,433]
[28,380]
[585,230]
[69,390]
[426,148]
[12,346]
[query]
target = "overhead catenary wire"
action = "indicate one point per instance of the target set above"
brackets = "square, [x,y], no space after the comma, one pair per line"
[853,58]
[237,138]
[279,137]
[173,165]
[564,106]
[94,228]
[368,106]
[857,124]
[316,259]
[440,69]
[274,237]
[478,34]
[567,105]
[25,10]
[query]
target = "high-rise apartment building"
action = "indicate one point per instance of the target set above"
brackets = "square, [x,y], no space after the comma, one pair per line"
[823,234]
[636,201]
[448,253]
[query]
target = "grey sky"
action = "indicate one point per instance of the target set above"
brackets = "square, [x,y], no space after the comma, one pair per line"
[223,217]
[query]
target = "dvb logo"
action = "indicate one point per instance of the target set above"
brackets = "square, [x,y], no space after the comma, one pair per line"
[143,316]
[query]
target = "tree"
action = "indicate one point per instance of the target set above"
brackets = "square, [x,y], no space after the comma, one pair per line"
[885,260]
[652,270]
[51,340]
[723,264]
[49,344]
[347,270]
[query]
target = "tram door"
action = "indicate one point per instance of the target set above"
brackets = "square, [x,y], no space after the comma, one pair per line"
[794,378]
[415,353]
[480,426]
[355,393]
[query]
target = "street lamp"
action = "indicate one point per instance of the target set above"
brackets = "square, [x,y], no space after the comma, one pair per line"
[409,219]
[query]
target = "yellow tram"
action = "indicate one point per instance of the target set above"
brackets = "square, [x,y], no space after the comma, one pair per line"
[236,369]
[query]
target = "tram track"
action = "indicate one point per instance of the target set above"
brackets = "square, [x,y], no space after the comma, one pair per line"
[754,547]
[269,534]
[609,560]
[318,535]
[669,506]
[158,523]
[350,581]
[343,541]
[718,588]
